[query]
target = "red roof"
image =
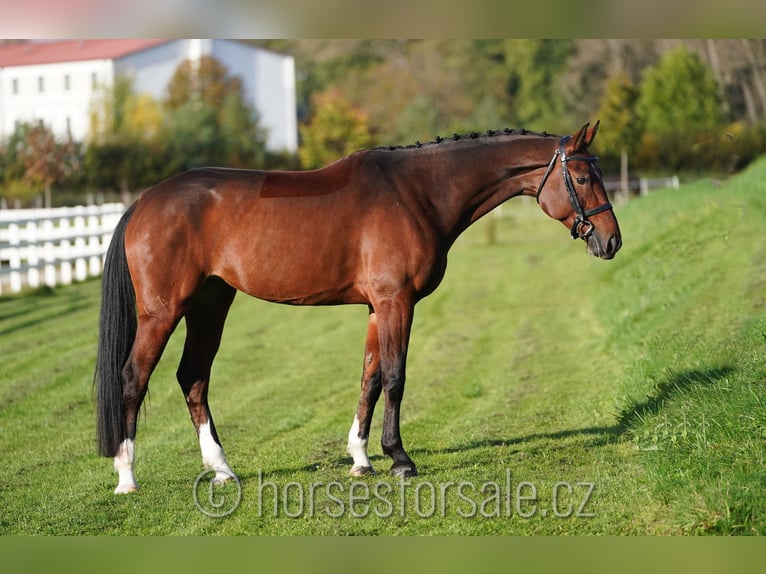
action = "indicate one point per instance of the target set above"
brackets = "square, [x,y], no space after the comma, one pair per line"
[37,52]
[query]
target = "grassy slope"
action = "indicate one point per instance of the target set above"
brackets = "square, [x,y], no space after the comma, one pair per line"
[691,322]
[643,376]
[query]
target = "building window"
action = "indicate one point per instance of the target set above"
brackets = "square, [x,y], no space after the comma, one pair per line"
[40,84]
[94,80]
[15,86]
[67,86]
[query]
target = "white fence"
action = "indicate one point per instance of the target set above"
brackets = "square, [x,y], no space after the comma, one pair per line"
[640,186]
[54,246]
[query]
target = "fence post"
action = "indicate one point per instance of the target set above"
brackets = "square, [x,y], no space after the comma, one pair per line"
[644,186]
[80,265]
[14,258]
[49,254]
[65,252]
[80,246]
[31,255]
[94,243]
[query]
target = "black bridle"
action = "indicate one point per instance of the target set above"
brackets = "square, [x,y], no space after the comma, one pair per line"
[581,221]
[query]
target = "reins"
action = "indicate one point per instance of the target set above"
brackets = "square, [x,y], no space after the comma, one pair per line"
[582,214]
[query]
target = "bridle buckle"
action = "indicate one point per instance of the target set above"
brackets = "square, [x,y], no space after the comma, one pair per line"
[577,232]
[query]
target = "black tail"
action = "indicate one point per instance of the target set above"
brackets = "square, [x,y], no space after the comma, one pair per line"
[117,330]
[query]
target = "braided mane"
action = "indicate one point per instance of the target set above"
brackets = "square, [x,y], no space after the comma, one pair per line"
[458,137]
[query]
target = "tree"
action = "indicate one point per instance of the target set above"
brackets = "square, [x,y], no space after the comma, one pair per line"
[420,118]
[136,140]
[207,120]
[679,93]
[618,115]
[206,81]
[324,63]
[122,149]
[12,167]
[425,88]
[335,130]
[45,160]
[244,142]
[622,130]
[535,67]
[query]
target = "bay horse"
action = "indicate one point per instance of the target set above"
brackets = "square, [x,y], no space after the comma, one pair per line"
[372,228]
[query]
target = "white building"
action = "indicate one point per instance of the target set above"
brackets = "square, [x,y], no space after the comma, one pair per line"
[55,81]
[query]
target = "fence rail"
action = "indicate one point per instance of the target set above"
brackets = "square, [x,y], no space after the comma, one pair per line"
[54,246]
[639,186]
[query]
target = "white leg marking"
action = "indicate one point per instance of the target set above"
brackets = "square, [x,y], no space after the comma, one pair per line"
[212,455]
[123,465]
[357,448]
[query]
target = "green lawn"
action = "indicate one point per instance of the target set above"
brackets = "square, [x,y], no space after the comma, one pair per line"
[548,393]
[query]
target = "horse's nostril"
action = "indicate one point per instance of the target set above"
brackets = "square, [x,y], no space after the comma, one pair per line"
[613,245]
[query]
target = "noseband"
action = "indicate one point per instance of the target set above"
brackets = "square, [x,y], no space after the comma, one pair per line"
[581,228]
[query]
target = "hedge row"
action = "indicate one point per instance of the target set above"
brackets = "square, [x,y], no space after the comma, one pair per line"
[709,151]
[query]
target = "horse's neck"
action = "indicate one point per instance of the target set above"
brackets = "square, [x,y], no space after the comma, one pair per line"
[474,181]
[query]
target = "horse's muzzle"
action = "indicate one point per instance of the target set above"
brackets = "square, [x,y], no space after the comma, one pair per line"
[603,249]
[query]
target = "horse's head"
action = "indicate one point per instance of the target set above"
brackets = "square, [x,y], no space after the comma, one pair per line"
[572,191]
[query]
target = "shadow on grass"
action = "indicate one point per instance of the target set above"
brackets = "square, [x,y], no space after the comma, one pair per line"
[666,390]
[599,436]
[595,436]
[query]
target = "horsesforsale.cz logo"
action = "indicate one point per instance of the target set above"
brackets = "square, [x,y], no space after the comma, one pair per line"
[386,498]
[216,499]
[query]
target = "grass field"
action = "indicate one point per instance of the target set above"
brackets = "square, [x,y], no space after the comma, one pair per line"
[548,393]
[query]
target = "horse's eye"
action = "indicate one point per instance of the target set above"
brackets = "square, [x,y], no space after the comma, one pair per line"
[582,180]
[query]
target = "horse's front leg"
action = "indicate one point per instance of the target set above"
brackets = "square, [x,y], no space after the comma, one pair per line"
[394,318]
[359,434]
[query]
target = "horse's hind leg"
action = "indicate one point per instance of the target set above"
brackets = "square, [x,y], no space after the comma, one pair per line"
[359,434]
[204,326]
[151,337]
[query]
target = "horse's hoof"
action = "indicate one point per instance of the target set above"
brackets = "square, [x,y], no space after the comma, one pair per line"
[126,489]
[404,471]
[222,477]
[362,471]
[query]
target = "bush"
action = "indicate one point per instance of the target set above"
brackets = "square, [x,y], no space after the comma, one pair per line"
[699,151]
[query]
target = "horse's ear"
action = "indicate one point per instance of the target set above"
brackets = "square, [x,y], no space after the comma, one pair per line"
[583,138]
[578,141]
[591,133]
